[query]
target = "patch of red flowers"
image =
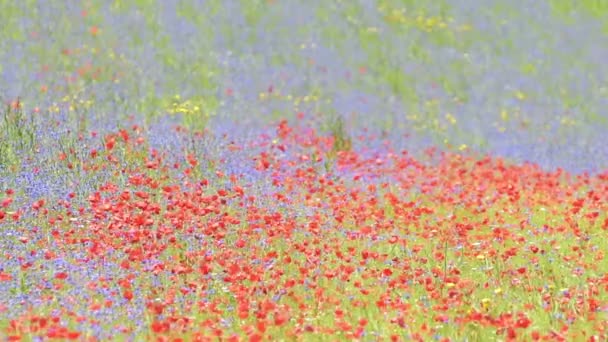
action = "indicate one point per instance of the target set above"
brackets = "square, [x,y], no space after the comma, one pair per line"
[381,243]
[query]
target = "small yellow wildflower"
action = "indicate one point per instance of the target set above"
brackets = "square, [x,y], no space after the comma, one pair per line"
[485,303]
[450,118]
[504,115]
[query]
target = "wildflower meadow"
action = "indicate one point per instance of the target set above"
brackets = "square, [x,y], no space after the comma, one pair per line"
[285,170]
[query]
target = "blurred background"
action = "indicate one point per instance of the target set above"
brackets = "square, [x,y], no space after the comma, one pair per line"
[522,79]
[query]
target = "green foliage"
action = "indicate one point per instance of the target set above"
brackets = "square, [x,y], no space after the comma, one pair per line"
[342,141]
[17,135]
[597,8]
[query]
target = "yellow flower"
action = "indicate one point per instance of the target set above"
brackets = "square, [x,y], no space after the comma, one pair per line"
[504,115]
[450,118]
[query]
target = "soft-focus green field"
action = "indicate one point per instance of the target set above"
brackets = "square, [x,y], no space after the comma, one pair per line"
[303,170]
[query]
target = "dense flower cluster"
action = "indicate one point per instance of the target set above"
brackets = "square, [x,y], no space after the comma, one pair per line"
[386,245]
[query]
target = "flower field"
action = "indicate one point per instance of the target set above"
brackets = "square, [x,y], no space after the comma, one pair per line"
[266,170]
